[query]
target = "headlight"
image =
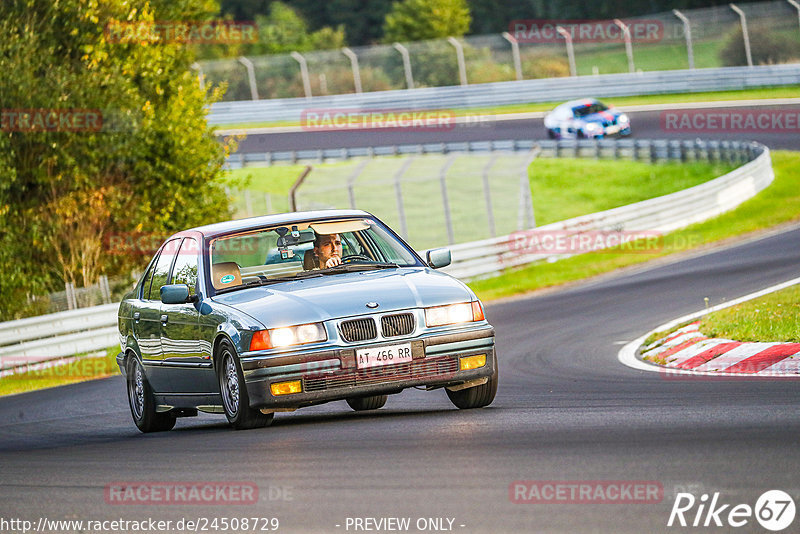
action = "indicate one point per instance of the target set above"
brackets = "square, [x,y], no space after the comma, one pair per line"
[463,312]
[623,119]
[593,127]
[288,335]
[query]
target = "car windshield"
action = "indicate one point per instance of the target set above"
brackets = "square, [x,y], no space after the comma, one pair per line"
[589,109]
[299,250]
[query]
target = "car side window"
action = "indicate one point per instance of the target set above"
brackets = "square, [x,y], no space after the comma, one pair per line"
[145,289]
[185,270]
[161,270]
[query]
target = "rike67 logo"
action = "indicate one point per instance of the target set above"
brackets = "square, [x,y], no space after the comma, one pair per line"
[774,510]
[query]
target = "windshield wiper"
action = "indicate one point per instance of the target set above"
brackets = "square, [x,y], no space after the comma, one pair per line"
[356,267]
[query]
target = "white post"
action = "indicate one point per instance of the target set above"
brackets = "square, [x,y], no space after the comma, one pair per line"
[406,64]
[573,71]
[687,30]
[797,7]
[196,66]
[626,32]
[303,72]
[462,66]
[354,65]
[745,35]
[448,216]
[251,76]
[514,53]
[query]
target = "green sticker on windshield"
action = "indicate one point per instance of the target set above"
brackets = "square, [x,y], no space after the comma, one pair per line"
[227,279]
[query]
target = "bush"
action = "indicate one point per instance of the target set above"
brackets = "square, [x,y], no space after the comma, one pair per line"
[767,46]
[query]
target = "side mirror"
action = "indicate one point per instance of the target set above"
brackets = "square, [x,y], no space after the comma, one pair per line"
[176,294]
[438,257]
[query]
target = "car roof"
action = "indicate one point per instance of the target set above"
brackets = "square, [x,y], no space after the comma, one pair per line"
[221,228]
[580,102]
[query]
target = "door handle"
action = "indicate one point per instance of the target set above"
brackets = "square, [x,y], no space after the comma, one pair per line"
[136,316]
[164,318]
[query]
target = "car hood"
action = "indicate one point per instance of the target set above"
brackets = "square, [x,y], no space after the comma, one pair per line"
[345,295]
[601,117]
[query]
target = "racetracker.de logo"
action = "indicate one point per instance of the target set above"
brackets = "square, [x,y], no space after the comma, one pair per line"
[586,31]
[558,242]
[50,120]
[181,493]
[181,31]
[357,119]
[724,120]
[585,492]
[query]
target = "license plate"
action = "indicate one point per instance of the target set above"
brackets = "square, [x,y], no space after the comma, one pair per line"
[612,129]
[383,355]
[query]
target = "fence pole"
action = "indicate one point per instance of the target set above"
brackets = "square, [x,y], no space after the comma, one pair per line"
[248,204]
[626,32]
[353,65]
[573,71]
[526,218]
[745,34]
[448,217]
[462,65]
[687,31]
[105,291]
[514,54]
[200,77]
[69,288]
[406,64]
[268,202]
[487,195]
[797,7]
[251,76]
[296,186]
[303,72]
[401,213]
[351,181]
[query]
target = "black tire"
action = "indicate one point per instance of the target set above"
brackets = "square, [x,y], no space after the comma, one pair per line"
[233,391]
[142,403]
[551,134]
[361,404]
[478,396]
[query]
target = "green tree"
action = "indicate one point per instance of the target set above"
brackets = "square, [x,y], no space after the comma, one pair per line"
[418,20]
[67,193]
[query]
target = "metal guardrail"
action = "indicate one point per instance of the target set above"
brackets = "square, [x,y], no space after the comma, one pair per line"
[53,336]
[657,215]
[514,92]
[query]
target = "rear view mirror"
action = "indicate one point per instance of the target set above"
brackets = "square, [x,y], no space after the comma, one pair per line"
[175,294]
[438,257]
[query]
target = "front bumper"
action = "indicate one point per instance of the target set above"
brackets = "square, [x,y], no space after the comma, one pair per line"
[332,374]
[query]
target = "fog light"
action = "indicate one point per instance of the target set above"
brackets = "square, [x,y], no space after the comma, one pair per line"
[472,362]
[286,388]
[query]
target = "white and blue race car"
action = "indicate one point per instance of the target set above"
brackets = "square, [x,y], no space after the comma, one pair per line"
[586,118]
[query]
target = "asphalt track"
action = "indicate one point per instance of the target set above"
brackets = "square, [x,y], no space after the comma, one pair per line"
[646,125]
[566,410]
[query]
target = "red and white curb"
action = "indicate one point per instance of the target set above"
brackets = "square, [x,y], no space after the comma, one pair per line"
[687,351]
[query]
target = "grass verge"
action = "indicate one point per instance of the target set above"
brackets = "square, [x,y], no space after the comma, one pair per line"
[79,370]
[622,101]
[779,203]
[773,317]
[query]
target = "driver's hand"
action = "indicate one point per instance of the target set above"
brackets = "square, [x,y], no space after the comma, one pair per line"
[333,261]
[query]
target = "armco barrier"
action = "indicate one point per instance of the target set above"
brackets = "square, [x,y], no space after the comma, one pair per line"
[515,92]
[662,214]
[89,329]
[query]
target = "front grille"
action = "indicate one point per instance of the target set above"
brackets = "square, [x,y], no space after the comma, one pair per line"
[359,329]
[417,369]
[397,325]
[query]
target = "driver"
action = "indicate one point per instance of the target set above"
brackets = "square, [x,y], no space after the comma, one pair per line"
[328,250]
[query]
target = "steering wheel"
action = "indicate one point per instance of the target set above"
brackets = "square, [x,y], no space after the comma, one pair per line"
[351,258]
